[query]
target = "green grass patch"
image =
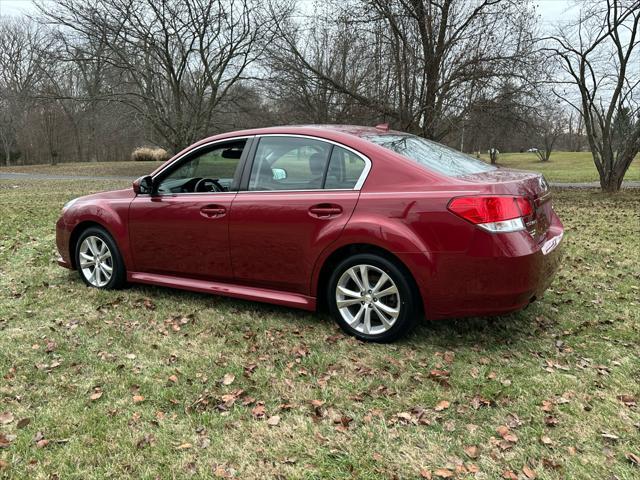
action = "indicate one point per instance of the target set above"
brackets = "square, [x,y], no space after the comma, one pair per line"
[157,383]
[562,166]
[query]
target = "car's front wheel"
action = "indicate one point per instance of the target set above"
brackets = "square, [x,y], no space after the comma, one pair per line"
[372,298]
[98,259]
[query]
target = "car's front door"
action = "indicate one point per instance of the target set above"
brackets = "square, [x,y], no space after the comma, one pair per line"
[182,228]
[296,199]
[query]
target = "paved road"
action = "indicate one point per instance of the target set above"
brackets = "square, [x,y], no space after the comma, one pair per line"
[45,176]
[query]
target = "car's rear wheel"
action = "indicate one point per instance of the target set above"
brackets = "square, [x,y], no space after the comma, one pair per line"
[98,259]
[372,298]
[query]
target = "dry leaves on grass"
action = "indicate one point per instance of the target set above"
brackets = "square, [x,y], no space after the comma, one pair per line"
[509,439]
[342,423]
[442,405]
[138,399]
[440,376]
[444,473]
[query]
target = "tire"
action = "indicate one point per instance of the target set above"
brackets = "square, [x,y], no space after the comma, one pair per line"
[97,239]
[390,316]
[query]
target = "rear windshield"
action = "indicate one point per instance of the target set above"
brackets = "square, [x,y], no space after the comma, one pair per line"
[432,155]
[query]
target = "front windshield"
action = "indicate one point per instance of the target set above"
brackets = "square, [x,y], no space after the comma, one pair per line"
[432,155]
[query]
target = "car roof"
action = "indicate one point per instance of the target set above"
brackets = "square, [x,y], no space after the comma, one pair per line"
[321,130]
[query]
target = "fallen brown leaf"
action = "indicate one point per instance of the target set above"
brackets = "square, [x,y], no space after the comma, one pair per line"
[95,395]
[5,440]
[42,443]
[138,399]
[23,422]
[551,421]
[471,451]
[273,420]
[442,405]
[6,418]
[258,411]
[546,440]
[228,378]
[633,458]
[444,473]
[528,472]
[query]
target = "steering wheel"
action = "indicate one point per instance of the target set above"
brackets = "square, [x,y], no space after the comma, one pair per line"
[208,185]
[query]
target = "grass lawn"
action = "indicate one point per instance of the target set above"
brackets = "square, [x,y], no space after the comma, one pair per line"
[562,166]
[154,383]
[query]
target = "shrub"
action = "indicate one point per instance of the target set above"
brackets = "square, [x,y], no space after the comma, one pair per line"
[148,154]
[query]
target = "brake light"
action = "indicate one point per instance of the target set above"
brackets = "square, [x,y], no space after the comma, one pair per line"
[494,213]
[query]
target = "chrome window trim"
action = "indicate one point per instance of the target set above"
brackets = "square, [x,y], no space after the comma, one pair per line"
[357,186]
[328,190]
[193,150]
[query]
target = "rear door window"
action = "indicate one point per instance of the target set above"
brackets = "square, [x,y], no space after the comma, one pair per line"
[345,169]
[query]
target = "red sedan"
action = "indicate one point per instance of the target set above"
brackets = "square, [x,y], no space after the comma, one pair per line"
[379,226]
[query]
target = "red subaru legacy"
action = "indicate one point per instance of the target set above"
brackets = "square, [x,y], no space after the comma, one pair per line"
[377,225]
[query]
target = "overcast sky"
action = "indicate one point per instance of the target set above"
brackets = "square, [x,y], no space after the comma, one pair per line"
[551,11]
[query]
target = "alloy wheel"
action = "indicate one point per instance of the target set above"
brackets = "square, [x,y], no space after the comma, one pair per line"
[96,261]
[368,299]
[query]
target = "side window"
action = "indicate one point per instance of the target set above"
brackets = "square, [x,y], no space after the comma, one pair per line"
[344,170]
[208,170]
[289,163]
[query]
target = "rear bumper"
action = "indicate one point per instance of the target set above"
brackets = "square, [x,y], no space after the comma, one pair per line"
[488,279]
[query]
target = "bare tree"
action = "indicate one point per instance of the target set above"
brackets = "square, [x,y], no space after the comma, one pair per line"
[600,56]
[21,44]
[177,59]
[415,63]
[548,125]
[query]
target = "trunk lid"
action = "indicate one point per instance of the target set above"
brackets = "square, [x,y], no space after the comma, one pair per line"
[531,185]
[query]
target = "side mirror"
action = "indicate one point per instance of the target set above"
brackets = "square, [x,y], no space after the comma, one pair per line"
[279,173]
[143,185]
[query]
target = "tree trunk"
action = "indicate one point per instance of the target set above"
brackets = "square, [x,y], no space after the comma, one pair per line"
[611,183]
[7,155]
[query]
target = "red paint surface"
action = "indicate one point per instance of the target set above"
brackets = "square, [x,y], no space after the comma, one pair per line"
[271,246]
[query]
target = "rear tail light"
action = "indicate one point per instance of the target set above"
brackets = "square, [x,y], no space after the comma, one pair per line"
[494,213]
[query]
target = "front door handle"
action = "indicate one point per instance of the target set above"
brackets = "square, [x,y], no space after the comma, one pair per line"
[325,210]
[213,211]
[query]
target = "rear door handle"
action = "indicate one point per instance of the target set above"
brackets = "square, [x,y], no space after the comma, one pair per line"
[213,211]
[325,210]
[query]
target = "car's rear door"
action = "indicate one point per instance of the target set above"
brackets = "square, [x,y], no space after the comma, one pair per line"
[297,196]
[180,232]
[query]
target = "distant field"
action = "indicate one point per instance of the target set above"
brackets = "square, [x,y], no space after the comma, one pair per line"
[99,169]
[563,167]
